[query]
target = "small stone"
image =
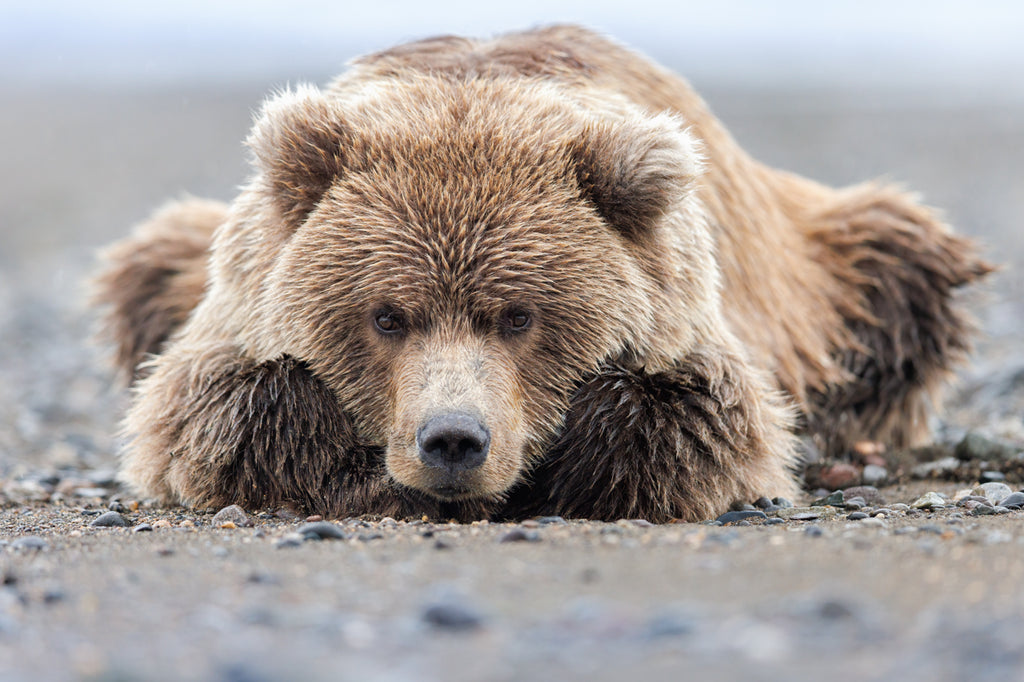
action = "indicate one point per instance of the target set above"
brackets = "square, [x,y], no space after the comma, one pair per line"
[763,503]
[930,500]
[142,528]
[164,551]
[1013,501]
[91,492]
[855,503]
[187,523]
[806,516]
[782,502]
[814,531]
[737,516]
[234,514]
[552,521]
[441,543]
[1000,509]
[228,525]
[161,523]
[520,535]
[111,519]
[321,530]
[836,499]
[289,540]
[30,543]
[313,518]
[669,624]
[993,492]
[983,510]
[774,521]
[116,505]
[899,507]
[930,469]
[453,617]
[857,516]
[874,474]
[976,446]
[992,476]
[839,475]
[530,523]
[873,521]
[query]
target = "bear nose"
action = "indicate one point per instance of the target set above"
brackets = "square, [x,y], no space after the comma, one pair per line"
[453,441]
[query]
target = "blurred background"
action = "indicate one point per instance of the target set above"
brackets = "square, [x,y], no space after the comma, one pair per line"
[108,109]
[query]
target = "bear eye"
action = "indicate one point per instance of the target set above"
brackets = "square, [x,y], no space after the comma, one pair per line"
[387,322]
[517,320]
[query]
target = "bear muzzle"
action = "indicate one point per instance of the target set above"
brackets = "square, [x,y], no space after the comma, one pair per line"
[453,441]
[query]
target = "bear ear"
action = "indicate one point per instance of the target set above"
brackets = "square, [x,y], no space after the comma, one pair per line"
[299,141]
[637,170]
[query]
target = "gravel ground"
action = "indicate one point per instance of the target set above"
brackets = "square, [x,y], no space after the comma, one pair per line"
[889,593]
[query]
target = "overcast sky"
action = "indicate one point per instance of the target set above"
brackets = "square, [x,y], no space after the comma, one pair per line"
[964,44]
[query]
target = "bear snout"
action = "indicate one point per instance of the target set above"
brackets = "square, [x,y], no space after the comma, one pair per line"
[453,441]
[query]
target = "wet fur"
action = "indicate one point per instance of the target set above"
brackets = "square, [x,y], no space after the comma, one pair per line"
[845,299]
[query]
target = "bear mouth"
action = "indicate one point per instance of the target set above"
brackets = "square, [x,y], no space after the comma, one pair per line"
[451,491]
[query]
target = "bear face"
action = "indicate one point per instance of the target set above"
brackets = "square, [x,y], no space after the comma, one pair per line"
[453,313]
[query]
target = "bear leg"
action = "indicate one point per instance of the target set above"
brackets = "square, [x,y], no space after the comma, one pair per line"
[216,428]
[899,268]
[679,444]
[151,280]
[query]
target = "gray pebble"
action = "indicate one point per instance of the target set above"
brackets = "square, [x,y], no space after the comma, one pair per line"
[836,499]
[142,528]
[976,446]
[874,474]
[737,516]
[774,521]
[983,510]
[111,519]
[993,492]
[453,617]
[1013,501]
[234,514]
[814,531]
[763,503]
[520,535]
[552,521]
[32,543]
[805,516]
[321,530]
[857,516]
[116,505]
[990,476]
[900,507]
[289,540]
[868,493]
[782,502]
[669,624]
[855,503]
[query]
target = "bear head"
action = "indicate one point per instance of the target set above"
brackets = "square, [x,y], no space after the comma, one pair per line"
[452,257]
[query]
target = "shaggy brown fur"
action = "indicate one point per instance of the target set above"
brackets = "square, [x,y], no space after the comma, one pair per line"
[546,236]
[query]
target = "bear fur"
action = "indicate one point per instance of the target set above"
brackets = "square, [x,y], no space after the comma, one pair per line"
[545,249]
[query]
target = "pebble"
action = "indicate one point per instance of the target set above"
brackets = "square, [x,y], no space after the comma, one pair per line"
[520,535]
[993,492]
[312,518]
[990,476]
[320,530]
[142,528]
[855,503]
[839,475]
[900,507]
[874,474]
[117,505]
[737,516]
[161,523]
[32,543]
[763,503]
[983,510]
[232,514]
[805,516]
[868,493]
[814,531]
[976,446]
[552,521]
[940,466]
[836,499]
[1014,501]
[111,519]
[857,516]
[669,624]
[289,540]
[876,521]
[930,500]
[453,617]
[782,502]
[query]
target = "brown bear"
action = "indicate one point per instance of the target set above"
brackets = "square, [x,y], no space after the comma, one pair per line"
[529,275]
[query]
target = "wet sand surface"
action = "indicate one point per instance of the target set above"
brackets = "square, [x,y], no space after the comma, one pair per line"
[908,594]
